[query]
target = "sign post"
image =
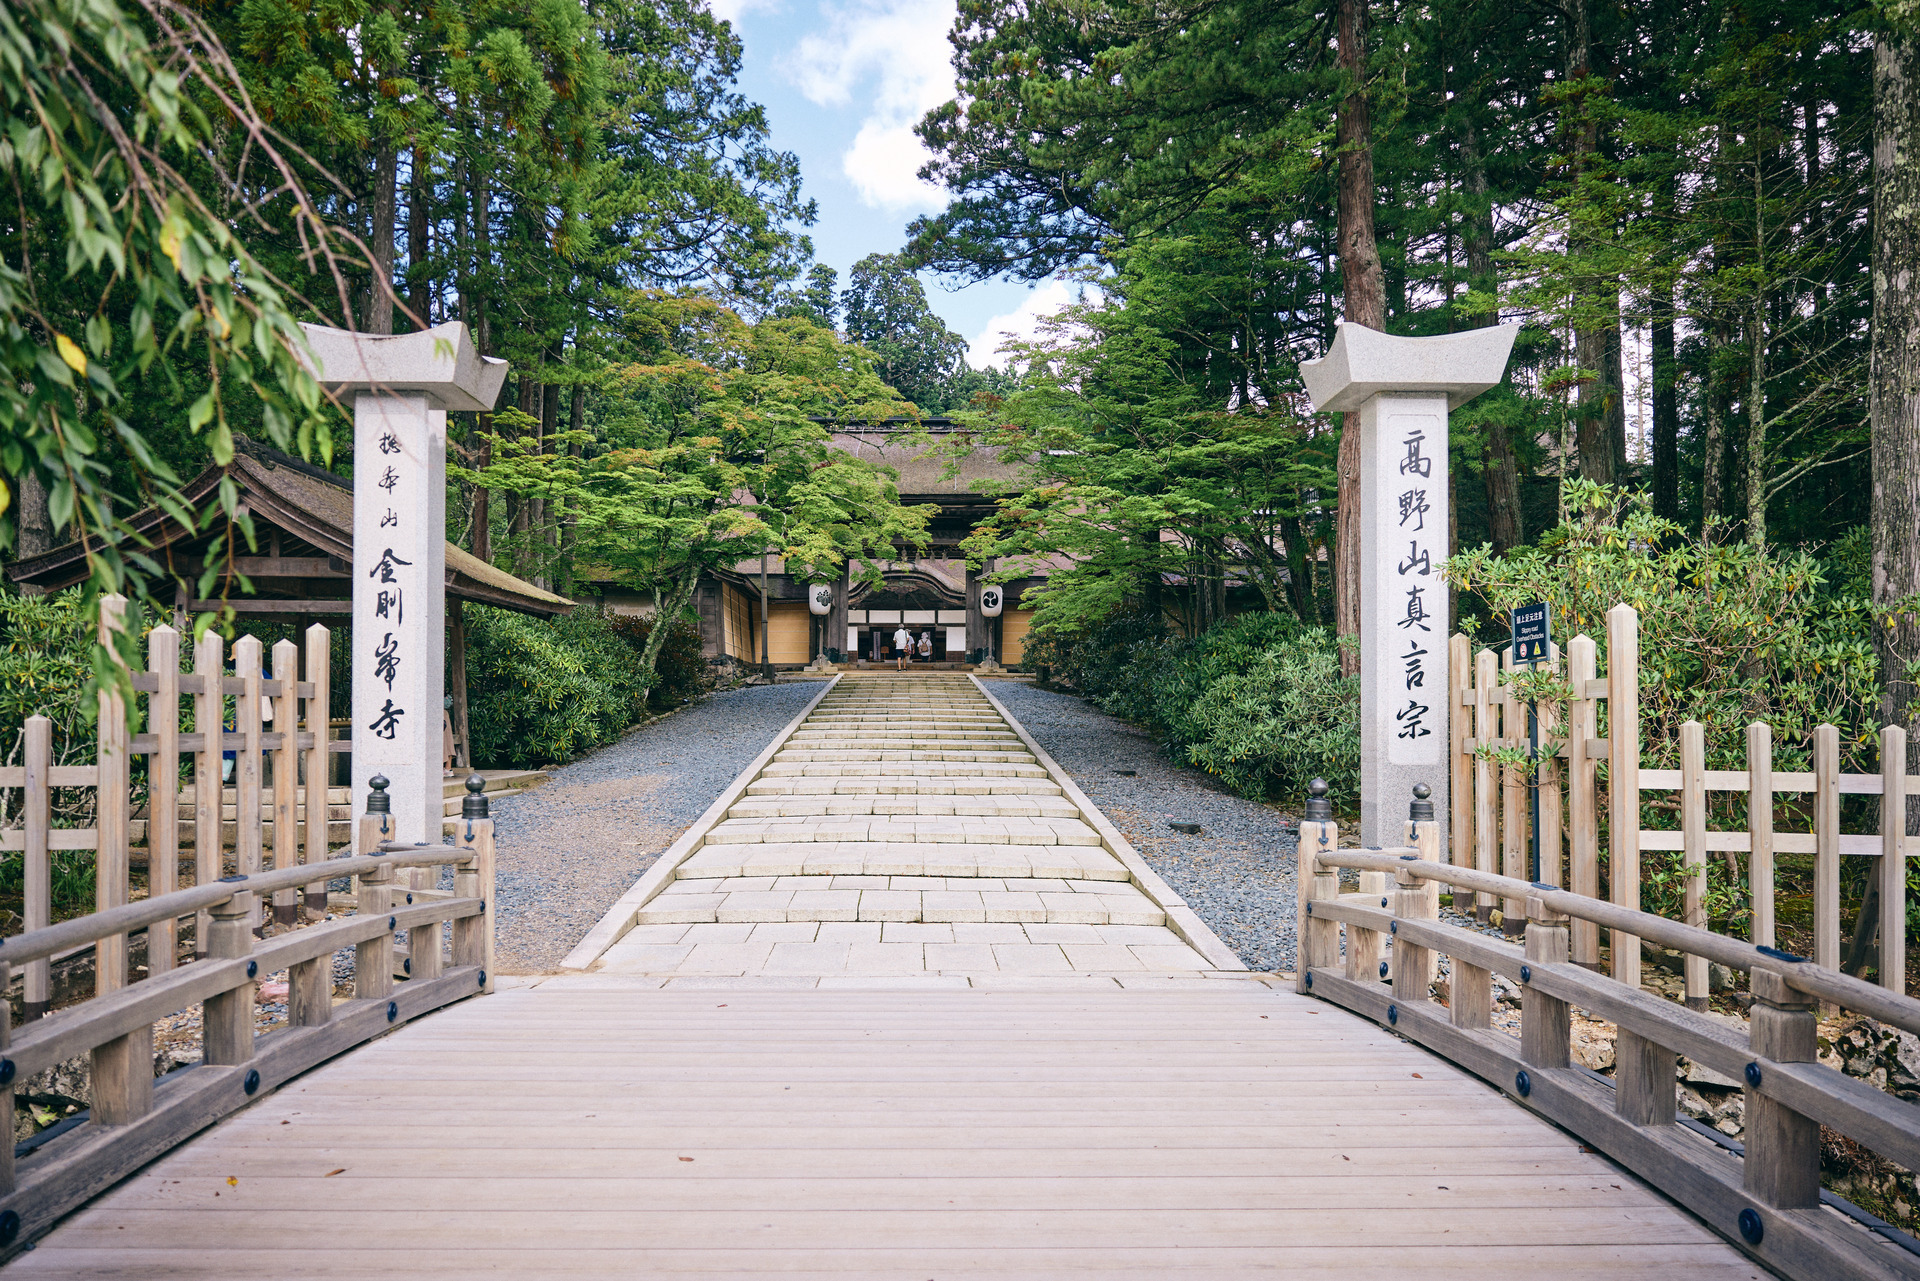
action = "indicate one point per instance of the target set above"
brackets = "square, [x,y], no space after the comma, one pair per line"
[1403,390]
[1532,645]
[401,388]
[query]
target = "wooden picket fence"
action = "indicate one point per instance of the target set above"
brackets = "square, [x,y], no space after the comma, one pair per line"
[1491,827]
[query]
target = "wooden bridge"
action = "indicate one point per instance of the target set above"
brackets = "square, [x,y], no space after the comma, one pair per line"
[904,1004]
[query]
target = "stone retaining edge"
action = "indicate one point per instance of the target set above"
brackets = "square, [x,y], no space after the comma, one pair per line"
[620,917]
[1183,920]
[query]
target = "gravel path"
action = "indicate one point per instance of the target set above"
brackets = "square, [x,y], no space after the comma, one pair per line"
[1237,874]
[570,848]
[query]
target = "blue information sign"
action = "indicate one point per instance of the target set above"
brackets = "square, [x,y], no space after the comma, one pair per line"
[1530,640]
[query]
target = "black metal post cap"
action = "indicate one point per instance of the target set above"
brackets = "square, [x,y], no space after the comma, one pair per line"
[1522,1084]
[378,802]
[1393,1016]
[1421,809]
[1383,969]
[1751,1228]
[483,978]
[1526,974]
[7,1070]
[9,1227]
[1319,808]
[393,1010]
[253,969]
[474,805]
[1309,982]
[252,1083]
[1753,1075]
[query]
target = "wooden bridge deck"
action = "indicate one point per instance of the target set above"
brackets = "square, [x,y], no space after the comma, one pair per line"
[911,1113]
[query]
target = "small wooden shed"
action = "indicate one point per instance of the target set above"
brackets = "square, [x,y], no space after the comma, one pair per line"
[303,558]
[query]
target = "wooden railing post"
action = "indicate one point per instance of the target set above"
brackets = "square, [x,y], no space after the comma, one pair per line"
[1583,811]
[209,721]
[1623,780]
[373,959]
[1416,900]
[1893,858]
[1693,841]
[473,878]
[247,711]
[1760,830]
[1486,831]
[286,757]
[1645,1080]
[1826,847]
[319,710]
[1548,784]
[1460,806]
[6,1091]
[37,866]
[229,1016]
[1513,804]
[1319,940]
[163,790]
[1782,1166]
[112,804]
[1545,1021]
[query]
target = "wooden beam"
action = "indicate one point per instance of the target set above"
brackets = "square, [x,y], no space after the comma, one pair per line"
[250,605]
[290,566]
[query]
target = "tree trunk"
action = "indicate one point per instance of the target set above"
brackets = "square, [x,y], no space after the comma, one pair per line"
[1616,401]
[1713,444]
[1506,528]
[386,211]
[664,615]
[1757,425]
[1592,434]
[1299,583]
[483,457]
[1666,409]
[576,421]
[1501,468]
[1366,304]
[36,527]
[1895,389]
[419,242]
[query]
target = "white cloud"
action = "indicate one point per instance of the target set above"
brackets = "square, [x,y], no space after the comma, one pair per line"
[1022,322]
[890,56]
[732,10]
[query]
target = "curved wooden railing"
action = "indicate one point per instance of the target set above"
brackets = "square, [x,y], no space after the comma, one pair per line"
[1373,952]
[135,1117]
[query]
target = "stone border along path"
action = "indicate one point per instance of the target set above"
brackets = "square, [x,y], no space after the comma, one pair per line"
[905,828]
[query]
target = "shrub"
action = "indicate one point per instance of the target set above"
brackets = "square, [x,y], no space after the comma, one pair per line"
[681,672]
[1257,700]
[541,691]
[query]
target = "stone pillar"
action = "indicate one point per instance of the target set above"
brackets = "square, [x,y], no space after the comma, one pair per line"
[1403,389]
[401,388]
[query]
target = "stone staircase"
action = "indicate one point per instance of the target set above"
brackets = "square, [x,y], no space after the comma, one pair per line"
[906,829]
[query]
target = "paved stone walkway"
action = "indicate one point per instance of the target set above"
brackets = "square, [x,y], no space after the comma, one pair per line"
[907,829]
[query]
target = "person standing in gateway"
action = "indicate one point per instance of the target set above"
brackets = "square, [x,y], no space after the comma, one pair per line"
[902,648]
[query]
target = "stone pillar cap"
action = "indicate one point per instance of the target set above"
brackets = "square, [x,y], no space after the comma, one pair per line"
[1364,362]
[441,364]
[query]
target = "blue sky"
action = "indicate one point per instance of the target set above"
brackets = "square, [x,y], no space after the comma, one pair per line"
[843,82]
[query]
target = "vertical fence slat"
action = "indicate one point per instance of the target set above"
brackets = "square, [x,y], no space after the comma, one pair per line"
[1319,939]
[37,867]
[1460,778]
[112,808]
[1760,830]
[209,719]
[286,758]
[1549,783]
[1693,841]
[319,762]
[247,711]
[1583,836]
[1826,843]
[1486,669]
[1513,803]
[163,790]
[1623,780]
[1893,858]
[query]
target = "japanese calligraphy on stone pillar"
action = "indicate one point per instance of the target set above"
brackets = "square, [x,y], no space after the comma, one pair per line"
[1410,603]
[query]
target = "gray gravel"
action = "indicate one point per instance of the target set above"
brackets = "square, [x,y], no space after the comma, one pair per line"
[570,848]
[1237,875]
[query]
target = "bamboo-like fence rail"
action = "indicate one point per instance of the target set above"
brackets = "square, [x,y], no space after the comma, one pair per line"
[1373,952]
[1491,830]
[279,720]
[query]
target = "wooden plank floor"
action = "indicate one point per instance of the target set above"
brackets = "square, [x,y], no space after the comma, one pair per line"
[580,1130]
[893,1053]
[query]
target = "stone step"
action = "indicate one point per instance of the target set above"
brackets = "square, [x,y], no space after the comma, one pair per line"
[905,829]
[894,858]
[895,805]
[897,769]
[902,754]
[898,733]
[818,898]
[868,784]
